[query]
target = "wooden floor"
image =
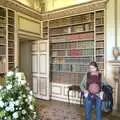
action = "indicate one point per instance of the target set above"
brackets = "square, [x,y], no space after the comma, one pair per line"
[56,110]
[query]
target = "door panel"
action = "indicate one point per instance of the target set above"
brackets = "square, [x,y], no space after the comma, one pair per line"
[40,69]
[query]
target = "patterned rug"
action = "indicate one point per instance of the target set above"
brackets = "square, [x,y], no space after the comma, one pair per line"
[56,110]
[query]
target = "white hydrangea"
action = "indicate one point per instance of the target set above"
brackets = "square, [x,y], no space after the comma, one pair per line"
[1,87]
[1,104]
[31,107]
[24,112]
[17,102]
[24,95]
[15,115]
[10,73]
[29,98]
[35,115]
[10,107]
[31,93]
[9,87]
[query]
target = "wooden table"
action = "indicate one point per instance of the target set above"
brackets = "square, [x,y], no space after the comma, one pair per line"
[75,88]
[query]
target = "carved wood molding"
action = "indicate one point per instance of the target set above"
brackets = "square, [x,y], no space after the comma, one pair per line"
[19,7]
[75,10]
[59,13]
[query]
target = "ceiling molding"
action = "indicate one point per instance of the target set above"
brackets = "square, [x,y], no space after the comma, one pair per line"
[19,7]
[75,9]
[55,14]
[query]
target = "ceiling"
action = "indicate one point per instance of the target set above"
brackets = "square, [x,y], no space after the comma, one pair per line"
[48,5]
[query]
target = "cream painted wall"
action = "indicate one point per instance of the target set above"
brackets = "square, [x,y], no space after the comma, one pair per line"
[35,4]
[28,24]
[56,4]
[110,35]
[110,38]
[118,21]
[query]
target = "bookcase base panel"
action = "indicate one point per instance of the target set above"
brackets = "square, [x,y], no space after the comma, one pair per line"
[60,92]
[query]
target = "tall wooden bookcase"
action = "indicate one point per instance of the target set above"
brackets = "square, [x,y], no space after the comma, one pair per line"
[7,45]
[75,41]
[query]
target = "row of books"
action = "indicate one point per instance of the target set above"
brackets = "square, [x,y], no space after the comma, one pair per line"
[72,67]
[11,66]
[100,44]
[45,24]
[2,50]
[2,67]
[80,61]
[99,37]
[73,52]
[2,30]
[82,52]
[99,14]
[67,78]
[100,58]
[76,44]
[68,31]
[11,51]
[99,21]
[10,21]
[72,20]
[100,51]
[82,18]
[100,29]
[68,68]
[75,60]
[2,12]
[72,29]
[10,13]
[2,22]
[11,36]
[73,37]
[10,58]
[11,28]
[100,66]
[11,44]
[2,41]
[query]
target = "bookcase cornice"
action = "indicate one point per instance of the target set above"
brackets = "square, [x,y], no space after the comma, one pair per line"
[75,10]
[19,7]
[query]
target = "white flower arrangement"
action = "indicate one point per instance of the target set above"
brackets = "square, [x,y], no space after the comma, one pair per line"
[16,100]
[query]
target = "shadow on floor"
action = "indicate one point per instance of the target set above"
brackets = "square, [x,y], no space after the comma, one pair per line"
[56,110]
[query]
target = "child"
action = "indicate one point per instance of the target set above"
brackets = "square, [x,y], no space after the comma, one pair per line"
[91,86]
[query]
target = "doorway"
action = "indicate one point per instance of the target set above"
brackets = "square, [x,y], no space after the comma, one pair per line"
[25,57]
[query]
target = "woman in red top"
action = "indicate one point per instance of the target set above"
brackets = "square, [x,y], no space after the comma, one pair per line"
[91,86]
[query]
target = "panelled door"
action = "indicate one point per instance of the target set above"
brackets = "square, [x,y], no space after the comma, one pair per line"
[40,69]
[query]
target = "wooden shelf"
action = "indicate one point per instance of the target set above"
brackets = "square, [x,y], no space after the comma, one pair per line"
[7,24]
[71,33]
[70,25]
[75,41]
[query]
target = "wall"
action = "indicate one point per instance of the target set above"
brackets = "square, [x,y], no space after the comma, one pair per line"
[35,4]
[110,35]
[112,39]
[56,4]
[27,28]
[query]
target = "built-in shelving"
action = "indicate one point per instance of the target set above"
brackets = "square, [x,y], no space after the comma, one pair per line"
[7,47]
[75,41]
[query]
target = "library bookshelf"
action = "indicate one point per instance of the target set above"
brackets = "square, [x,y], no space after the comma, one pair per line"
[74,42]
[7,30]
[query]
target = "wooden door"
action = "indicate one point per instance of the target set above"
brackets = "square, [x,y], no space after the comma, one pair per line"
[40,69]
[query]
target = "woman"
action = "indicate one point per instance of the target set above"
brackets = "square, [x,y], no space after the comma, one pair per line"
[93,95]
